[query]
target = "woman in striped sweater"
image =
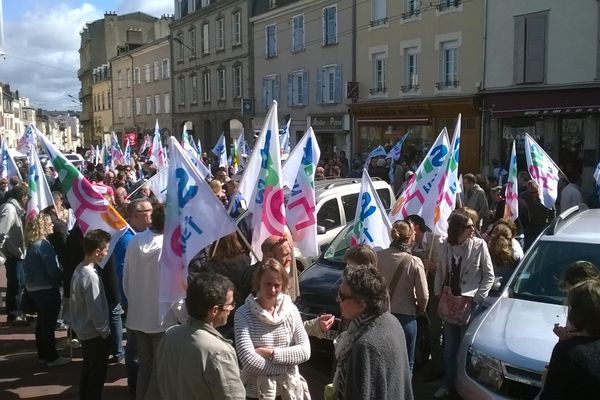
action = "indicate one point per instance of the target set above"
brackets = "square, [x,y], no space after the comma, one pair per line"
[270,338]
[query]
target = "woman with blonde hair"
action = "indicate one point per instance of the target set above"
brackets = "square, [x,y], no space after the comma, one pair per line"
[502,253]
[407,282]
[43,278]
[270,338]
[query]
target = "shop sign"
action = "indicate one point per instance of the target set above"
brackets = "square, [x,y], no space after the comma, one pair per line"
[327,123]
[132,137]
[565,110]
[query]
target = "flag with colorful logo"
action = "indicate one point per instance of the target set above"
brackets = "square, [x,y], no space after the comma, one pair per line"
[371,223]
[448,185]
[543,171]
[395,153]
[376,152]
[511,206]
[90,208]
[421,193]
[299,176]
[40,195]
[157,155]
[220,150]
[8,168]
[597,179]
[194,219]
[127,153]
[116,154]
[146,145]
[284,139]
[267,200]
[26,141]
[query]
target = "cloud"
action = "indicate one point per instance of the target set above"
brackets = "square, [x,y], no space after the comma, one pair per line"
[155,8]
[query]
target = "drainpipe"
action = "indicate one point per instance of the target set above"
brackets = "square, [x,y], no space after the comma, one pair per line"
[133,103]
[485,142]
[352,122]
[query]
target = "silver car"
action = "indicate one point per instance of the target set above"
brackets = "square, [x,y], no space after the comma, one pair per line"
[506,349]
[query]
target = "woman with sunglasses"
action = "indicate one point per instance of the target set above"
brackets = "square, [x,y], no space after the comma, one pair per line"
[270,338]
[466,268]
[372,361]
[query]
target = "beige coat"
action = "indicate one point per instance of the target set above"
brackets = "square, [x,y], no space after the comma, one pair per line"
[194,361]
[477,271]
[411,294]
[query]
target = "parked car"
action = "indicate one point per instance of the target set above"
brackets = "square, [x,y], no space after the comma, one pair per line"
[76,160]
[336,205]
[505,349]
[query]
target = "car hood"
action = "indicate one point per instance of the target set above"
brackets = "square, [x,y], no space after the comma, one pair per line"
[518,332]
[318,287]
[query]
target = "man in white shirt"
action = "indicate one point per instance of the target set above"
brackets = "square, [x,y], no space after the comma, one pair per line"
[571,194]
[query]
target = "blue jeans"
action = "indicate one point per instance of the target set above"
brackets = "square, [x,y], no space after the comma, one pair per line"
[15,283]
[47,303]
[409,326]
[116,331]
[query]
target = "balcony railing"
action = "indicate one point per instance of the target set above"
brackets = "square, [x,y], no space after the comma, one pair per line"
[409,88]
[377,22]
[379,90]
[447,84]
[411,14]
[445,5]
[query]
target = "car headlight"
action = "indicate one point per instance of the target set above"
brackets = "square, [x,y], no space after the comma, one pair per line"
[484,369]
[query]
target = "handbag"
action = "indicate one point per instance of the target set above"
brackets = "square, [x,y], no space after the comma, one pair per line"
[455,310]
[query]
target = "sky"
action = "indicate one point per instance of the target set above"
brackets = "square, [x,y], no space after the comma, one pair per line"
[41,45]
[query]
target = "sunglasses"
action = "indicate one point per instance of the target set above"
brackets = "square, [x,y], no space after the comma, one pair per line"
[343,297]
[279,242]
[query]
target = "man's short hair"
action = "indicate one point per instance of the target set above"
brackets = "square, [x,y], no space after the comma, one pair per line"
[134,205]
[469,178]
[96,239]
[158,218]
[19,191]
[205,291]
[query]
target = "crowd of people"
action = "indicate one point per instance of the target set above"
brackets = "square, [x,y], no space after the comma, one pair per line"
[238,334]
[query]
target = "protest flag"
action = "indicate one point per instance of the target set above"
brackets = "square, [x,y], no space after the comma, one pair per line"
[511,198]
[543,171]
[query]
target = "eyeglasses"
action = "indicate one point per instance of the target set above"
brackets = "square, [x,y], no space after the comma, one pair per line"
[343,297]
[230,305]
[279,242]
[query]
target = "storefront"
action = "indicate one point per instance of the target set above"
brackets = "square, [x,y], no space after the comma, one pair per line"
[566,123]
[332,132]
[385,123]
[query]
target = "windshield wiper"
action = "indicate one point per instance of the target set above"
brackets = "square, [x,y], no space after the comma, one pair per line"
[535,297]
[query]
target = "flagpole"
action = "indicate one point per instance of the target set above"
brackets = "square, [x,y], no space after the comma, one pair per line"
[142,184]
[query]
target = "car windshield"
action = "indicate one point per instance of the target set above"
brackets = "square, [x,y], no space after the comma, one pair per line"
[338,246]
[540,274]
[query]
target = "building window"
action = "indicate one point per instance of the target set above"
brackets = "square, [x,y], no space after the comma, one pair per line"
[329,84]
[448,64]
[148,105]
[220,34]
[179,46]
[447,4]
[237,81]
[236,22]
[157,103]
[167,102]
[138,106]
[136,75]
[192,42]
[205,3]
[378,85]
[329,25]
[206,86]
[147,73]
[530,48]
[109,99]
[298,89]
[221,83]
[379,12]
[128,106]
[181,91]
[156,70]
[411,70]
[191,6]
[103,101]
[272,4]
[194,89]
[412,9]
[298,33]
[205,39]
[271,41]
[270,90]
[128,74]
[166,68]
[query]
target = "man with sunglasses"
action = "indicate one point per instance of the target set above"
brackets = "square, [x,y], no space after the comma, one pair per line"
[194,361]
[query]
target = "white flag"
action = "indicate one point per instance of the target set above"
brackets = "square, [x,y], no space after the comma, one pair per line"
[40,195]
[194,219]
[220,150]
[159,184]
[511,205]
[371,223]
[8,168]
[299,176]
[543,171]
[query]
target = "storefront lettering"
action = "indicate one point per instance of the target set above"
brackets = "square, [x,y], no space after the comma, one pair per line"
[334,122]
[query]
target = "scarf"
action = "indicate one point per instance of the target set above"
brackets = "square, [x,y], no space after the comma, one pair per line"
[404,247]
[343,348]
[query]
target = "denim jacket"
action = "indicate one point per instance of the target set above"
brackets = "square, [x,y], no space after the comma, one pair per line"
[42,270]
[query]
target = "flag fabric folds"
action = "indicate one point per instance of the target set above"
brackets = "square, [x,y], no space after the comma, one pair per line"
[116,154]
[8,168]
[448,185]
[511,206]
[27,141]
[376,152]
[395,153]
[90,208]
[194,219]
[299,176]
[195,157]
[543,171]
[371,223]
[422,191]
[220,150]
[157,155]
[158,183]
[285,139]
[127,153]
[597,179]
[40,195]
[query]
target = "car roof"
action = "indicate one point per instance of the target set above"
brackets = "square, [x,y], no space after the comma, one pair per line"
[575,225]
[328,186]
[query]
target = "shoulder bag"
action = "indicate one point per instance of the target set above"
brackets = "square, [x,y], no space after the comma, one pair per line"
[455,310]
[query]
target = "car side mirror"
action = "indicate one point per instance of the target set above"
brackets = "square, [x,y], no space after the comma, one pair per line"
[321,230]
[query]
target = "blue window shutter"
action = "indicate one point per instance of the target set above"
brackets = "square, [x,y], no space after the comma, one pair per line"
[305,88]
[290,90]
[338,83]
[276,92]
[265,101]
[320,86]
